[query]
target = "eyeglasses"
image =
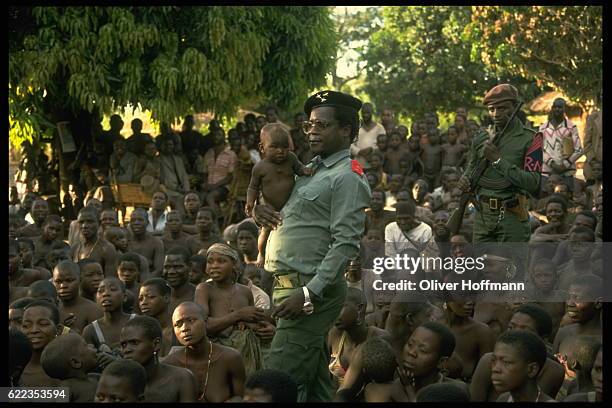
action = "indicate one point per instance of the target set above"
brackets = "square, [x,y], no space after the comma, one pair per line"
[307,126]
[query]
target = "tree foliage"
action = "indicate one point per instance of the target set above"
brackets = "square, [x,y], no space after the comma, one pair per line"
[441,57]
[419,61]
[354,31]
[556,46]
[171,60]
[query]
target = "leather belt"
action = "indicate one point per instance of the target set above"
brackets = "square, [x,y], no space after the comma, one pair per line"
[495,203]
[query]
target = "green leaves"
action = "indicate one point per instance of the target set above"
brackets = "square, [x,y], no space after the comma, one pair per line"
[559,46]
[172,60]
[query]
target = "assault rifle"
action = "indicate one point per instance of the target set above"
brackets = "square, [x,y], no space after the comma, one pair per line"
[456,219]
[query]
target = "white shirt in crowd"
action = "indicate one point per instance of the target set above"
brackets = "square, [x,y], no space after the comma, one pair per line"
[420,238]
[161,223]
[366,138]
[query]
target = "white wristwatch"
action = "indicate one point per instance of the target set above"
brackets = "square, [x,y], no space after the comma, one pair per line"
[308,306]
[496,162]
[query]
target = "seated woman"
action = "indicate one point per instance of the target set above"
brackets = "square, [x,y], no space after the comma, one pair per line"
[349,333]
[424,360]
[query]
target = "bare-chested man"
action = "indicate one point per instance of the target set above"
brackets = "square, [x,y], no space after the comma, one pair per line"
[192,204]
[52,231]
[91,245]
[174,234]
[141,339]
[206,235]
[176,273]
[39,212]
[20,277]
[474,338]
[119,238]
[66,278]
[583,308]
[145,244]
[26,253]
[219,370]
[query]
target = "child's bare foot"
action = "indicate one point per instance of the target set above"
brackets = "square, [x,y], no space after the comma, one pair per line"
[260,260]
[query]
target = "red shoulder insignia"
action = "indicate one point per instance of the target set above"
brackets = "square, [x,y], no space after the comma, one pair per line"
[356,167]
[533,156]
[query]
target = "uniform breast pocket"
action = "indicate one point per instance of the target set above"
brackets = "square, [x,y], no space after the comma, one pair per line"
[308,201]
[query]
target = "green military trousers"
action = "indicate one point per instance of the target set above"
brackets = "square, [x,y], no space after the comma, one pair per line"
[298,347]
[509,229]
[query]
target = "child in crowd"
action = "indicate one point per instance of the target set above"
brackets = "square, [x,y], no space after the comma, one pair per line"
[66,278]
[141,341]
[197,271]
[393,154]
[128,270]
[232,316]
[104,333]
[518,358]
[69,358]
[154,301]
[379,366]
[270,385]
[432,160]
[91,276]
[376,160]
[122,381]
[454,153]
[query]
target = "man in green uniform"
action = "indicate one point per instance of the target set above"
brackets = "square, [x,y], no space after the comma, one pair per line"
[513,171]
[322,223]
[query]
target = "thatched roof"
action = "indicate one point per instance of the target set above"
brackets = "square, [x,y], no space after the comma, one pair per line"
[541,105]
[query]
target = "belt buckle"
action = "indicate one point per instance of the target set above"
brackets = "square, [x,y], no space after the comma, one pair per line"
[284,281]
[493,204]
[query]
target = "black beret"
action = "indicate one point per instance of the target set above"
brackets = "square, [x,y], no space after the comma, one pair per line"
[500,93]
[331,98]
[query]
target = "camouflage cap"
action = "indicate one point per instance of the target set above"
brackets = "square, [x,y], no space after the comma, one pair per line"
[500,93]
[331,98]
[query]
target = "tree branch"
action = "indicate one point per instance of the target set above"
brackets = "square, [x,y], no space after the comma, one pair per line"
[344,81]
[528,54]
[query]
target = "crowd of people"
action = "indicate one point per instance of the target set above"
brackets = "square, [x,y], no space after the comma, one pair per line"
[183,300]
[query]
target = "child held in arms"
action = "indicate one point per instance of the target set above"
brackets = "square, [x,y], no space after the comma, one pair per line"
[273,176]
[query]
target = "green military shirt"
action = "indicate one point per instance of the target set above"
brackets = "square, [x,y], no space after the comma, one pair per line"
[508,177]
[323,221]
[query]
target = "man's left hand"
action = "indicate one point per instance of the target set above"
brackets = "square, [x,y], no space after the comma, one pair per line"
[490,152]
[292,307]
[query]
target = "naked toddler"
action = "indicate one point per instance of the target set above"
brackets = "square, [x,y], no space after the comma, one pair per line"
[273,176]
